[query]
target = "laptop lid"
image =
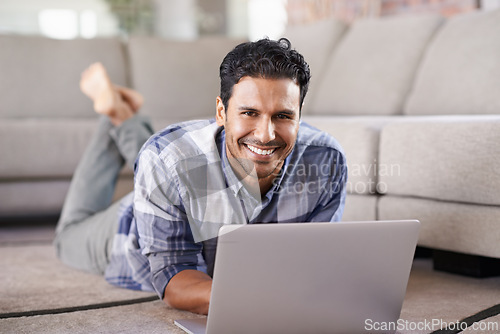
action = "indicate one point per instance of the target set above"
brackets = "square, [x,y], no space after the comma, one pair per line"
[310,278]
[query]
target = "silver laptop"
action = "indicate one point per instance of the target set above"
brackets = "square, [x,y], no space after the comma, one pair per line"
[308,278]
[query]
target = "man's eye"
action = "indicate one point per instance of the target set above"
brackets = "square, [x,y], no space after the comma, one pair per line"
[283,116]
[249,113]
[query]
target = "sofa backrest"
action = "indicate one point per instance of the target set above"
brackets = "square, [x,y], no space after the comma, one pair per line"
[372,69]
[40,76]
[460,73]
[316,42]
[179,79]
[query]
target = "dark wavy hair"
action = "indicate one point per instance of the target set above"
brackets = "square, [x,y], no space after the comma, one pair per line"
[266,59]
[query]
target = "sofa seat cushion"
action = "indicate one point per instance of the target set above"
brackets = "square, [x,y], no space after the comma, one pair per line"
[360,207]
[41,148]
[443,158]
[359,137]
[458,227]
[179,79]
[40,76]
[460,73]
[33,197]
[372,69]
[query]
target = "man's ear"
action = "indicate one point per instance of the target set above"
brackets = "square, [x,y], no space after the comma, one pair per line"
[220,115]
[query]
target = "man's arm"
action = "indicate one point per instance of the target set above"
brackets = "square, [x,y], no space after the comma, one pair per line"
[175,260]
[331,204]
[189,290]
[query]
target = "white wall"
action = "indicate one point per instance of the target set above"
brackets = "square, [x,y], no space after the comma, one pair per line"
[176,19]
[22,16]
[490,4]
[237,18]
[267,18]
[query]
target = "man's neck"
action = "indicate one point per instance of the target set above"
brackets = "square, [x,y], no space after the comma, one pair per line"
[265,184]
[251,181]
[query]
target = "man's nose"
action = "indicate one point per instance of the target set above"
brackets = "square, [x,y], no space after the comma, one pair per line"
[265,131]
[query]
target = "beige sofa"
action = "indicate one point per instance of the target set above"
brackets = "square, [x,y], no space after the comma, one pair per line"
[414,101]
[46,122]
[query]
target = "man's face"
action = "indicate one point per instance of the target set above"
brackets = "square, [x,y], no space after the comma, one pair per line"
[261,124]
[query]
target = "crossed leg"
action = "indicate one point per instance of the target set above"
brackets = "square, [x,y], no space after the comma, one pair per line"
[89,220]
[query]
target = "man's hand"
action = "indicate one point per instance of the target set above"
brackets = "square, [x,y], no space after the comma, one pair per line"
[189,290]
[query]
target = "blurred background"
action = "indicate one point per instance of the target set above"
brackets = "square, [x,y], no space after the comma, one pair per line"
[191,19]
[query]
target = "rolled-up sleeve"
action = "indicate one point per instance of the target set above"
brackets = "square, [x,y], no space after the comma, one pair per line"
[165,236]
[330,206]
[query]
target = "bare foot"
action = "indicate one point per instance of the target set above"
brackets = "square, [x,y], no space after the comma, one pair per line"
[95,83]
[132,97]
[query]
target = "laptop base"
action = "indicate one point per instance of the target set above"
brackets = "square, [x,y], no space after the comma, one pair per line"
[192,326]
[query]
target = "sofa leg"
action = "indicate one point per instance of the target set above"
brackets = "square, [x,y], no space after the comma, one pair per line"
[465,264]
[423,253]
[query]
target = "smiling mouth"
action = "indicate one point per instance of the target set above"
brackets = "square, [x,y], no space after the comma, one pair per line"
[260,151]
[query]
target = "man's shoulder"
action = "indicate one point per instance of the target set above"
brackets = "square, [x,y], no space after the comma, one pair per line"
[184,140]
[311,137]
[175,132]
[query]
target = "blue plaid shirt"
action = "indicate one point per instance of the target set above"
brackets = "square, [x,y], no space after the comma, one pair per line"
[185,189]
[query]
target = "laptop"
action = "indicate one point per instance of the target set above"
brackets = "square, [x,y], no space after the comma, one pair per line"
[331,278]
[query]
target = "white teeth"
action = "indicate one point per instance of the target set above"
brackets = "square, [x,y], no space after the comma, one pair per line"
[259,151]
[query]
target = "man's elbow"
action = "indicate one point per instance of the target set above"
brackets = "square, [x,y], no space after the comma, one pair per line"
[189,290]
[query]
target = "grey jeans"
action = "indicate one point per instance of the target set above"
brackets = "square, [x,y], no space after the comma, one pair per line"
[89,219]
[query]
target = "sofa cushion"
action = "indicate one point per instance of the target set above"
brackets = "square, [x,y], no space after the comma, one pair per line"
[179,79]
[43,148]
[461,72]
[315,41]
[458,227]
[371,71]
[32,198]
[359,137]
[360,207]
[450,158]
[40,76]
[37,148]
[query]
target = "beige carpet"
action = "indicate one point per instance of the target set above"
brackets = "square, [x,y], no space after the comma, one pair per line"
[40,295]
[152,317]
[32,279]
[437,296]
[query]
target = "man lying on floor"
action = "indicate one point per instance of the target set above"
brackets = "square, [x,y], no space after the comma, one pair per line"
[255,163]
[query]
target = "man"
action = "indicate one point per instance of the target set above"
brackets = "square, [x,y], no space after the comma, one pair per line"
[254,164]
